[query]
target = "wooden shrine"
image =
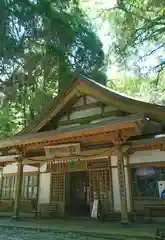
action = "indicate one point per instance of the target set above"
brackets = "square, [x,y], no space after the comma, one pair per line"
[85,138]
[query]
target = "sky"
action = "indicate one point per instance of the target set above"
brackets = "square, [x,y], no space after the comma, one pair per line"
[92,7]
[103,27]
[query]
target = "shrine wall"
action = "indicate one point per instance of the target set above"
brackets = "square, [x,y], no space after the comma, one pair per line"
[147,157]
[12,168]
[88,110]
[44,188]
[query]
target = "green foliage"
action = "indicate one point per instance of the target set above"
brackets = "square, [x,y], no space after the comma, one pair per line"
[8,122]
[141,88]
[43,43]
[136,44]
[138,31]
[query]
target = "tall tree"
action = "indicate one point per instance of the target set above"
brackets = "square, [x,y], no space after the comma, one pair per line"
[137,31]
[42,44]
[142,88]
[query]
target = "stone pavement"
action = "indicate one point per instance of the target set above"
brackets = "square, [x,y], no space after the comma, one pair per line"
[96,229]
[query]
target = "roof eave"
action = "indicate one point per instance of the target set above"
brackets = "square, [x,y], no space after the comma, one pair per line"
[113,125]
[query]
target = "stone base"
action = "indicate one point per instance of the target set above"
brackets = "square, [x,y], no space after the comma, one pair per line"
[125,223]
[17,218]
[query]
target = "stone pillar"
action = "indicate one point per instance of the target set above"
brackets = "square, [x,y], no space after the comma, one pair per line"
[18,189]
[122,185]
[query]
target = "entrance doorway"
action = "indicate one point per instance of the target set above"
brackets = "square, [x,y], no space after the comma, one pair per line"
[79,194]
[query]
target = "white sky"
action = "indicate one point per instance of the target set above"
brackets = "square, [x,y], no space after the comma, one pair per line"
[92,8]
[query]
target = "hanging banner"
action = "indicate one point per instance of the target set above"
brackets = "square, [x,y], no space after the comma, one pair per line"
[121,177]
[98,163]
[161,188]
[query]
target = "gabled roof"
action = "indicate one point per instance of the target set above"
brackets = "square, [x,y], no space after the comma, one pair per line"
[83,85]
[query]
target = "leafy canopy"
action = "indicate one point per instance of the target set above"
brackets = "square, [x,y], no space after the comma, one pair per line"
[43,44]
[138,32]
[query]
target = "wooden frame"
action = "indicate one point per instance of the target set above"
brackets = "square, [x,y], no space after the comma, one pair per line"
[10,186]
[24,174]
[146,198]
[57,203]
[14,175]
[147,164]
[88,170]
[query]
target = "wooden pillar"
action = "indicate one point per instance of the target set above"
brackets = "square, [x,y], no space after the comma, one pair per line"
[18,189]
[2,180]
[122,185]
[38,187]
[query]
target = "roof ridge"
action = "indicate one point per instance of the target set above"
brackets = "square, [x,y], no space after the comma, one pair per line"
[116,92]
[106,95]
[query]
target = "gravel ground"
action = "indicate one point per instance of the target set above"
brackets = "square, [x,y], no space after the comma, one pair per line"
[23,234]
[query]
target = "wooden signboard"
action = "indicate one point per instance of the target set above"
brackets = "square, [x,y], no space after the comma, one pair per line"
[62,150]
[98,163]
[95,207]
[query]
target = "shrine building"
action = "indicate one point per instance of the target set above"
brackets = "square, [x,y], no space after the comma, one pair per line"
[89,143]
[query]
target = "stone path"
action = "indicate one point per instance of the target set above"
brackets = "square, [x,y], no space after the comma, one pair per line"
[88,229]
[7,233]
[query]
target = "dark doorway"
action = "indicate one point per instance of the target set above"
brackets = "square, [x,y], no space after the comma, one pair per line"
[79,194]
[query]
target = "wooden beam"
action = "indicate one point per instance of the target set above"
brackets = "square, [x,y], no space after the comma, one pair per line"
[52,136]
[145,147]
[88,119]
[150,164]
[51,112]
[84,155]
[126,104]
[100,137]
[34,161]
[40,152]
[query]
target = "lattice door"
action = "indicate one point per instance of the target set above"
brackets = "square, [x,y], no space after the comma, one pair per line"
[100,184]
[58,191]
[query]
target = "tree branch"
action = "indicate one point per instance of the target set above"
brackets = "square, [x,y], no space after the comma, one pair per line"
[152,52]
[105,10]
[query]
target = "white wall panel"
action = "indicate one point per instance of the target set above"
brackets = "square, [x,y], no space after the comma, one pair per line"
[12,168]
[147,156]
[116,193]
[44,189]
